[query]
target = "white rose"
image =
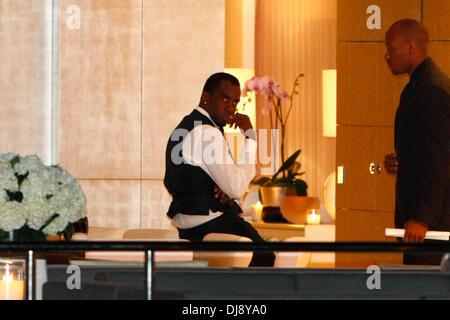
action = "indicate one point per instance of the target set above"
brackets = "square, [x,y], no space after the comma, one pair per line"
[37,211]
[57,225]
[8,156]
[61,175]
[11,217]
[3,197]
[69,201]
[29,163]
[46,191]
[8,180]
[41,181]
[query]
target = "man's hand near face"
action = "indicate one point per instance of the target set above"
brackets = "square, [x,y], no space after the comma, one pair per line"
[241,121]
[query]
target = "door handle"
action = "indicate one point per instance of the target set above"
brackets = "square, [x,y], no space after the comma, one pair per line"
[379,168]
[375,168]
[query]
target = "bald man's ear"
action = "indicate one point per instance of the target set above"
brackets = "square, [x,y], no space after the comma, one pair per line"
[416,47]
[412,47]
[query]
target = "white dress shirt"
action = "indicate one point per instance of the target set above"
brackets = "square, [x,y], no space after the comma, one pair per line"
[206,147]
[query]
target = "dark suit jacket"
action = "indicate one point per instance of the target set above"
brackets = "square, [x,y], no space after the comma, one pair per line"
[422,143]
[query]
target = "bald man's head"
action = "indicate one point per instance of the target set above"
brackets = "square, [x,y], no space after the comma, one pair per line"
[411,30]
[406,44]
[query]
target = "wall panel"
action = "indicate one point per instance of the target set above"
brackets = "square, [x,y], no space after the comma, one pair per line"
[234,33]
[129,74]
[439,51]
[113,203]
[356,76]
[368,93]
[388,89]
[25,77]
[155,203]
[180,51]
[353,16]
[100,89]
[436,15]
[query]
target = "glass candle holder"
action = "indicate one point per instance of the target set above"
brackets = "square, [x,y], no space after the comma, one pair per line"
[12,279]
[257,207]
[312,217]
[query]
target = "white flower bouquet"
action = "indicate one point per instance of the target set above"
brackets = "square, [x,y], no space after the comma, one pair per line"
[37,201]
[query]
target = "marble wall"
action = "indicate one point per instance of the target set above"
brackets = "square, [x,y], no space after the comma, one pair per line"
[26,77]
[98,85]
[128,74]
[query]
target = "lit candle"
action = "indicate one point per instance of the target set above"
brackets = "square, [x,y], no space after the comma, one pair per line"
[313,218]
[258,210]
[11,289]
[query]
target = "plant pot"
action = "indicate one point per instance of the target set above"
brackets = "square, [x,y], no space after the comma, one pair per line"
[271,196]
[295,208]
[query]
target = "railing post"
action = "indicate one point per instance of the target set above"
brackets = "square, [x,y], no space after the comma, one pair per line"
[149,270]
[30,275]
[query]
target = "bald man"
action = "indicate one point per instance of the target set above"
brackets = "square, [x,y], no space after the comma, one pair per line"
[422,138]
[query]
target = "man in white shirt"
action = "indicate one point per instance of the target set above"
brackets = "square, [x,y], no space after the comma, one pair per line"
[201,174]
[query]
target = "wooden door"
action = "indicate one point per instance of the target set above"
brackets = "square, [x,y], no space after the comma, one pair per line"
[356,153]
[384,182]
[364,226]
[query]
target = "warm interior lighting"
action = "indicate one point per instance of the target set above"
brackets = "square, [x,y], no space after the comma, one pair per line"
[11,288]
[329,102]
[234,137]
[258,207]
[250,109]
[313,218]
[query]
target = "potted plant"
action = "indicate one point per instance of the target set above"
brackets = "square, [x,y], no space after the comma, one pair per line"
[278,111]
[286,179]
[37,202]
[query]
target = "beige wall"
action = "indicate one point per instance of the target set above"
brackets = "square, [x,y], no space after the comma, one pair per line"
[295,37]
[25,78]
[234,33]
[240,34]
[126,80]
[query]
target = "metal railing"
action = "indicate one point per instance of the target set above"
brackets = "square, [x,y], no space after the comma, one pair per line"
[150,247]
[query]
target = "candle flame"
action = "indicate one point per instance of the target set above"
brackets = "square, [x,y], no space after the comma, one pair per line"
[7,276]
[257,206]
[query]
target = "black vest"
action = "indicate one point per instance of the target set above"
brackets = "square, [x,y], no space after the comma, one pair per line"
[192,189]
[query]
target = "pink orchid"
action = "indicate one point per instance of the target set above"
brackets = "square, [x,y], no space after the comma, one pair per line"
[267,109]
[268,87]
[254,84]
[269,82]
[281,93]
